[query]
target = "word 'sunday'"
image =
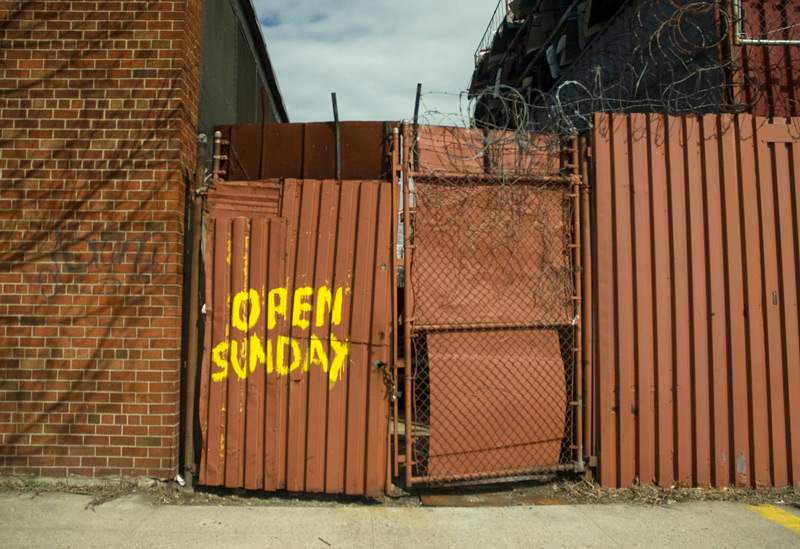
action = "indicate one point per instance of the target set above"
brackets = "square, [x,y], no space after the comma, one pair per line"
[284,355]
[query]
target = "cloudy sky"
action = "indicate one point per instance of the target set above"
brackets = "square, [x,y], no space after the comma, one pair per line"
[372,54]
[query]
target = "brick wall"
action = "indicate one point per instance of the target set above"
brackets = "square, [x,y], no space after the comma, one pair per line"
[98,116]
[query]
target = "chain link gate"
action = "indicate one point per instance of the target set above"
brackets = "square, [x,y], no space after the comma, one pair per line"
[766,23]
[491,307]
[766,42]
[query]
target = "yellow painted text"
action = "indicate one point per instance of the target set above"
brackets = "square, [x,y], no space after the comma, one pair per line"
[243,354]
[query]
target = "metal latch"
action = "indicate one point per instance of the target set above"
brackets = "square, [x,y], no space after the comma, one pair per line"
[388,379]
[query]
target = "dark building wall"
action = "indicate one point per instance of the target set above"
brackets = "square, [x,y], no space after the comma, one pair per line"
[655,56]
[235,69]
[218,65]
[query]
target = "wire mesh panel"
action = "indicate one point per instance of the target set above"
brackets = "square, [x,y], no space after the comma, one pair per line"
[497,403]
[493,313]
[769,38]
[768,22]
[491,254]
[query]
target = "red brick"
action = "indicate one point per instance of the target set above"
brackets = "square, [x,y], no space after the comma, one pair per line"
[75,153]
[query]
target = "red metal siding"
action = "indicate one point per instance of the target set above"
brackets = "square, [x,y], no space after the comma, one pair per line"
[696,280]
[310,283]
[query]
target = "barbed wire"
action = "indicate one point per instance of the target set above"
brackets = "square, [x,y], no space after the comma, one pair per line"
[655,56]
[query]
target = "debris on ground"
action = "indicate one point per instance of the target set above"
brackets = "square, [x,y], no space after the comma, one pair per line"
[551,491]
[585,491]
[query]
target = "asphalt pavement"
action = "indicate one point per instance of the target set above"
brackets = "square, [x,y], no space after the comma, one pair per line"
[56,519]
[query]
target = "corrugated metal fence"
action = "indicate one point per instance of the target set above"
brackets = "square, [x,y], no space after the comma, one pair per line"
[299,293]
[696,255]
[690,332]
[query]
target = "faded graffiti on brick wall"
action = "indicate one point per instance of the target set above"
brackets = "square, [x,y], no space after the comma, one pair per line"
[102,263]
[285,354]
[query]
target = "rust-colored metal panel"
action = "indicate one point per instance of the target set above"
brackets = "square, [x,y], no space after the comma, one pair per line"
[244,159]
[696,283]
[491,255]
[754,293]
[489,421]
[676,237]
[363,148]
[307,151]
[698,292]
[605,396]
[650,394]
[298,313]
[253,199]
[446,150]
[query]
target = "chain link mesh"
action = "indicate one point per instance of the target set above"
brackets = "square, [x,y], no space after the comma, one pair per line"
[768,33]
[492,280]
[766,20]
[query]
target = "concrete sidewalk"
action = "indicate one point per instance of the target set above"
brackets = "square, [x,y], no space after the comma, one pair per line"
[63,520]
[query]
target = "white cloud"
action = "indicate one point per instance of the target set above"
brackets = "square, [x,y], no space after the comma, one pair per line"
[372,54]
